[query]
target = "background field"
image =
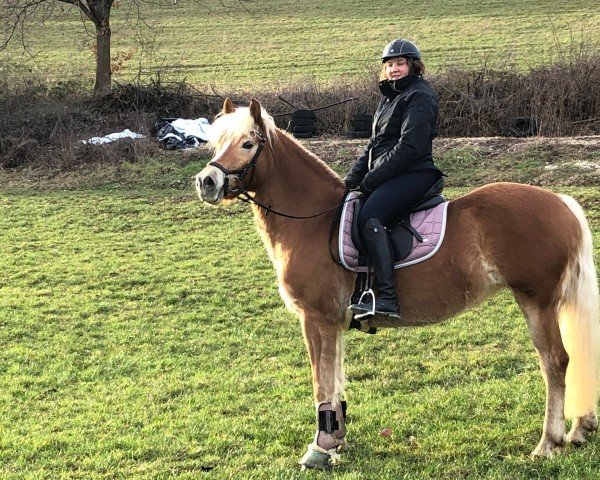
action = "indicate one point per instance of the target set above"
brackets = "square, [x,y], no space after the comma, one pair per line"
[143,337]
[141,333]
[279,42]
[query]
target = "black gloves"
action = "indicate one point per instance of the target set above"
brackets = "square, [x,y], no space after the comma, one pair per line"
[351,182]
[363,189]
[355,183]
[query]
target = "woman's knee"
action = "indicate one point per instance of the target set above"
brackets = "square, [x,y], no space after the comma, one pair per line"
[363,218]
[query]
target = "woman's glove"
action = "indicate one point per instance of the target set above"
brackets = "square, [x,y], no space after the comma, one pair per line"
[351,182]
[363,188]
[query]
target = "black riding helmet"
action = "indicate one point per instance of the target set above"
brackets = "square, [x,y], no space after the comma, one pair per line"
[400,48]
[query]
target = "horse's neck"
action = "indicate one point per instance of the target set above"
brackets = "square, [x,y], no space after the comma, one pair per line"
[297,184]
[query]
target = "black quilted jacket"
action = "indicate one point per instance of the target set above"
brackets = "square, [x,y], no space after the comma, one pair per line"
[403,130]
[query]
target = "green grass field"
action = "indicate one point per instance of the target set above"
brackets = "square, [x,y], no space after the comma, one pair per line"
[143,337]
[280,42]
[141,333]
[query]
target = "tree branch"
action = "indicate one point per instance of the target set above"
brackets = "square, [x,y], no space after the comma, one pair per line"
[13,16]
[84,8]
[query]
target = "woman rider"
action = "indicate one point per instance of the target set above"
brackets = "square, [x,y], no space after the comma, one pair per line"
[396,169]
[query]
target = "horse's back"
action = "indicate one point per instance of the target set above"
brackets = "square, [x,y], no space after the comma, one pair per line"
[528,234]
[530,213]
[506,194]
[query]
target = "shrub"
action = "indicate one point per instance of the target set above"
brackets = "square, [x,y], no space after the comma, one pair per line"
[42,124]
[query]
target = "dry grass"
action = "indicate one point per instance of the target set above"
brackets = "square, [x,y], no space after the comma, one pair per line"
[42,125]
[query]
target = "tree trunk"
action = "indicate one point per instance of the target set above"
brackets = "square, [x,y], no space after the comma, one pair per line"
[103,74]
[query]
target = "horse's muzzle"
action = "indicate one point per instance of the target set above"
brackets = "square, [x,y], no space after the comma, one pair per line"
[209,185]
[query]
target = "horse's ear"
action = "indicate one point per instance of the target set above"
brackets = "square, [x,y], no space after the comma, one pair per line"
[228,106]
[255,111]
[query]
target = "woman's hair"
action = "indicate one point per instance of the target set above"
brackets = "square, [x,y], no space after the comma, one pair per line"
[415,67]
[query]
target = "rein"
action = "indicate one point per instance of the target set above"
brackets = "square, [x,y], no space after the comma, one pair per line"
[239,174]
[267,208]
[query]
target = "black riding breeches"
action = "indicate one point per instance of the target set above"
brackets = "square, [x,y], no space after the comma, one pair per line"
[391,200]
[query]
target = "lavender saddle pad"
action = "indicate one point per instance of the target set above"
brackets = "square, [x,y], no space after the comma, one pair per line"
[431,225]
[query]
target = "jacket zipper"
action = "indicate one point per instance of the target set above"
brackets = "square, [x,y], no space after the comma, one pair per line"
[378,140]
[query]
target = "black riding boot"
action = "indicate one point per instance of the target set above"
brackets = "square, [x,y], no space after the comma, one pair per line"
[380,251]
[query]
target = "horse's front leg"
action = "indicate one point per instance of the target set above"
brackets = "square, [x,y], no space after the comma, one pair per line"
[323,337]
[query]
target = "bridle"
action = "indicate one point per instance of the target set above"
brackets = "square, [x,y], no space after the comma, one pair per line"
[240,173]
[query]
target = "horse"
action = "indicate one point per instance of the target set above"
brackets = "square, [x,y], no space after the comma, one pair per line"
[503,235]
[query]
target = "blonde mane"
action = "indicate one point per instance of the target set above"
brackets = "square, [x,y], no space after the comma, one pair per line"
[231,127]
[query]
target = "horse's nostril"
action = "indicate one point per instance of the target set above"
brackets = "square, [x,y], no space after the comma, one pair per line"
[208,182]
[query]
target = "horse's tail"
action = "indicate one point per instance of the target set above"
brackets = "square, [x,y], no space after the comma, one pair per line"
[579,321]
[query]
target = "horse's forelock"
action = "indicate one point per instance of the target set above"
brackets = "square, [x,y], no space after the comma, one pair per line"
[235,125]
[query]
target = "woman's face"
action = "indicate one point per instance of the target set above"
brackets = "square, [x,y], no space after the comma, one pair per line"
[396,68]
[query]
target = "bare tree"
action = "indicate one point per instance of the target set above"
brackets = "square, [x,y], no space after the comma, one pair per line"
[17,15]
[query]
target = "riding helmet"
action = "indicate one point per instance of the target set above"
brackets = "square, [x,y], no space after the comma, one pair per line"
[400,48]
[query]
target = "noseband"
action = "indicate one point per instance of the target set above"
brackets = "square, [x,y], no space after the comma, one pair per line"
[240,173]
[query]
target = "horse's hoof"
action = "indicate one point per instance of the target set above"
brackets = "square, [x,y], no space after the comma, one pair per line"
[582,428]
[547,449]
[541,453]
[319,458]
[576,437]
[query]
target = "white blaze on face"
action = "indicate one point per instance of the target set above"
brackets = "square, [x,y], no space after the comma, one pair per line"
[219,153]
[210,181]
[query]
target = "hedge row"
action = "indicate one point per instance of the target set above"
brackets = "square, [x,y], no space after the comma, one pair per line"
[42,123]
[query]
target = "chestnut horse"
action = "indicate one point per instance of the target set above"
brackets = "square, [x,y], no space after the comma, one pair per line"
[532,241]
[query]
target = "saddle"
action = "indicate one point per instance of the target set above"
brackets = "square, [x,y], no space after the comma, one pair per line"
[416,237]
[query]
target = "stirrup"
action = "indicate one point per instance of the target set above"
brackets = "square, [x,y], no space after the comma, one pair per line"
[368,313]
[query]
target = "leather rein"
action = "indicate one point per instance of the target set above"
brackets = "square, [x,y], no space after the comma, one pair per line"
[239,175]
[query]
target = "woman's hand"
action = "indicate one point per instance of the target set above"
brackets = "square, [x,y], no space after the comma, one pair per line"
[351,182]
[362,188]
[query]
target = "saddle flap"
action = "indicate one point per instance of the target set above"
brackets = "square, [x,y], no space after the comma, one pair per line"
[402,237]
[355,234]
[428,226]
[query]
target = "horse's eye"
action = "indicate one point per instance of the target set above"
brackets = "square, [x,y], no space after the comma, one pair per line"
[248,145]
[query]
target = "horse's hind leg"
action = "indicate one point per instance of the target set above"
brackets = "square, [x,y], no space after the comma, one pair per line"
[545,333]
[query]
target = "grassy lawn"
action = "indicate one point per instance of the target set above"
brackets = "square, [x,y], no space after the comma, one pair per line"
[141,331]
[143,337]
[275,42]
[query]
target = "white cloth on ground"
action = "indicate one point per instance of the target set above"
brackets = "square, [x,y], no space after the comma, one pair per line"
[199,127]
[181,133]
[112,137]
